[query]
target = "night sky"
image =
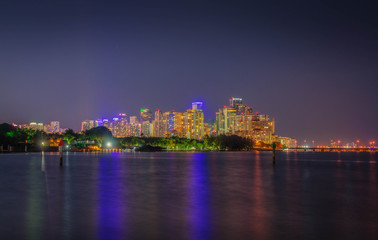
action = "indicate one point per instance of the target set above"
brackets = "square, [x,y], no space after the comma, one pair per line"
[311,65]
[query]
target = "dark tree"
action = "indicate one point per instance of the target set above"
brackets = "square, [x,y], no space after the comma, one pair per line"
[99,134]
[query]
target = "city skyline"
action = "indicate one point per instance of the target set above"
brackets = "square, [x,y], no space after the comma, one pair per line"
[145,123]
[312,65]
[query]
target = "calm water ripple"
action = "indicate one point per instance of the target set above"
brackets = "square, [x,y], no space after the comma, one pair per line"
[227,195]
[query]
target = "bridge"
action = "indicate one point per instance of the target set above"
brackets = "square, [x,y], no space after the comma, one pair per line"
[333,149]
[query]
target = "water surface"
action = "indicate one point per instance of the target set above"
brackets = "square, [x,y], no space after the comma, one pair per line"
[226,195]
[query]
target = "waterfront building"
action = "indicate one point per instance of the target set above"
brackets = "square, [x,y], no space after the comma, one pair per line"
[145,115]
[239,119]
[98,123]
[178,130]
[133,119]
[197,106]
[223,122]
[36,126]
[147,129]
[133,130]
[106,123]
[194,124]
[158,126]
[54,126]
[86,125]
[116,127]
[168,123]
[285,141]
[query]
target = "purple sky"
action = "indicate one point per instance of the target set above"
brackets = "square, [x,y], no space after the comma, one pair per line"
[312,65]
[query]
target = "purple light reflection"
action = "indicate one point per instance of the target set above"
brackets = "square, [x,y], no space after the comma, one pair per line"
[111,202]
[198,190]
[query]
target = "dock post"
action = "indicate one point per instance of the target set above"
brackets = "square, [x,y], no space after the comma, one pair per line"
[274,152]
[61,145]
[60,155]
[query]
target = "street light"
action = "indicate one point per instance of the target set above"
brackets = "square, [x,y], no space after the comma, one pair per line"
[109,144]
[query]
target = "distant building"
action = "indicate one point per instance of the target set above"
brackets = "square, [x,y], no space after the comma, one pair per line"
[106,123]
[239,119]
[197,106]
[87,124]
[194,124]
[36,126]
[145,115]
[55,126]
[134,130]
[98,123]
[158,126]
[133,119]
[147,129]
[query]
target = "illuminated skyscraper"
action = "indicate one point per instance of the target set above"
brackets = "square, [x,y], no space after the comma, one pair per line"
[145,115]
[168,123]
[147,129]
[178,130]
[238,119]
[98,123]
[133,119]
[55,126]
[235,102]
[223,120]
[116,127]
[106,123]
[133,130]
[193,124]
[158,125]
[86,125]
[197,106]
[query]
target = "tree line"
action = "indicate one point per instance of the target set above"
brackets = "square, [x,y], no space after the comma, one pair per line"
[99,136]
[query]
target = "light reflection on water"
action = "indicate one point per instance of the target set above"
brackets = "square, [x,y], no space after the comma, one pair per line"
[228,195]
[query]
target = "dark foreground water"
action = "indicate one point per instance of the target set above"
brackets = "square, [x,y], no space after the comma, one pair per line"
[228,195]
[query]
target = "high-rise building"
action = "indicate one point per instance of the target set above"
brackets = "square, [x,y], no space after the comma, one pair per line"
[235,102]
[86,125]
[145,115]
[197,106]
[133,119]
[106,123]
[168,123]
[223,124]
[238,119]
[147,129]
[98,123]
[193,124]
[55,126]
[178,130]
[116,127]
[133,130]
[158,126]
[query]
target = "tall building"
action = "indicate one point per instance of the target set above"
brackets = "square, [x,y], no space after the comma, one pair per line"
[235,102]
[197,106]
[158,125]
[223,122]
[134,130]
[98,123]
[106,123]
[239,119]
[178,130]
[168,123]
[116,127]
[147,129]
[145,115]
[87,124]
[133,119]
[193,124]
[55,126]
